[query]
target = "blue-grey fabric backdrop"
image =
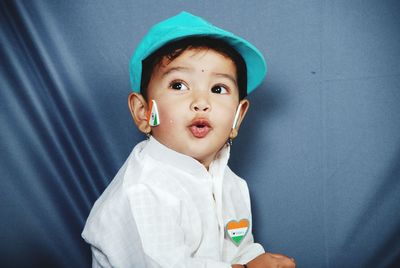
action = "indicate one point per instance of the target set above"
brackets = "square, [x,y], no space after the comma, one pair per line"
[320,148]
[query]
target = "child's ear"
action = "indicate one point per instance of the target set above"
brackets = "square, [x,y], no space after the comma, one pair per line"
[243,107]
[138,107]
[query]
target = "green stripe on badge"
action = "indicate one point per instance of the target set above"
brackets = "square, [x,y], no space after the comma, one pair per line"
[237,239]
[155,120]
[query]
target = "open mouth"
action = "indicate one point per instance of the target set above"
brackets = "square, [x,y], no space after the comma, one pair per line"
[200,128]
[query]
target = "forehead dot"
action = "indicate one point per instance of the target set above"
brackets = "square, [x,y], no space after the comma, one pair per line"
[202,70]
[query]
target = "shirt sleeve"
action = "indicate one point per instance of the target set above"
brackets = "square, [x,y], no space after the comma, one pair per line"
[250,250]
[157,216]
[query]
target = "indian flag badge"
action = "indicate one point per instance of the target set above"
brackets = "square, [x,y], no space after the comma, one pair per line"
[237,230]
[153,116]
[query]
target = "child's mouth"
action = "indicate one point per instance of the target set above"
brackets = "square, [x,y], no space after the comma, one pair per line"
[200,128]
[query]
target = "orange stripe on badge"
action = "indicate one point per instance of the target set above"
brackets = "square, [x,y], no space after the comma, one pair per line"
[149,111]
[243,223]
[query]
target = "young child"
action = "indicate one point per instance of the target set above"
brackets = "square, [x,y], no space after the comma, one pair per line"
[175,202]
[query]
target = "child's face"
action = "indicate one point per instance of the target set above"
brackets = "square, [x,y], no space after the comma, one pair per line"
[197,97]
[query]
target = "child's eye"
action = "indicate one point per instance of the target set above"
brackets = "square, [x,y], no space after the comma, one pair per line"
[219,89]
[177,85]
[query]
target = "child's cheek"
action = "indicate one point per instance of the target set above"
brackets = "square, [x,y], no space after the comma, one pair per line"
[168,122]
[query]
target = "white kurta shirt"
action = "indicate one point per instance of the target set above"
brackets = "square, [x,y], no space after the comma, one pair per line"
[164,209]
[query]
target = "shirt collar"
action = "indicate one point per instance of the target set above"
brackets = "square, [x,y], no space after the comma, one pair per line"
[185,163]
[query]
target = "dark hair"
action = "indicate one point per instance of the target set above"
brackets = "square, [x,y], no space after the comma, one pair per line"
[173,49]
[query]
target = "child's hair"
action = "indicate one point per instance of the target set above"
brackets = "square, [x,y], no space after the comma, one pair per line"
[172,50]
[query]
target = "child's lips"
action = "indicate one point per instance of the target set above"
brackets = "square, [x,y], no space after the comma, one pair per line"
[200,127]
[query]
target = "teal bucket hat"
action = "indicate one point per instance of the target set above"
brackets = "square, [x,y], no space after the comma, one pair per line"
[186,25]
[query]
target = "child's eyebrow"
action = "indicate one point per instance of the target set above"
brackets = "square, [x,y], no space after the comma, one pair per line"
[228,76]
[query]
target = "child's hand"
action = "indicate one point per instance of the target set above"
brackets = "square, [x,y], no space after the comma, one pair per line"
[269,260]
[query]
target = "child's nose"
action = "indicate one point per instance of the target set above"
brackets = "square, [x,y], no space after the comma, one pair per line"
[200,103]
[201,108]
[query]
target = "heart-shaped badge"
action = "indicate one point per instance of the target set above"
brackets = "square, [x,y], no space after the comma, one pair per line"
[237,230]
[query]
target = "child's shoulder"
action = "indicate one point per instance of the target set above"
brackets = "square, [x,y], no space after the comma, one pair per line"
[232,178]
[234,183]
